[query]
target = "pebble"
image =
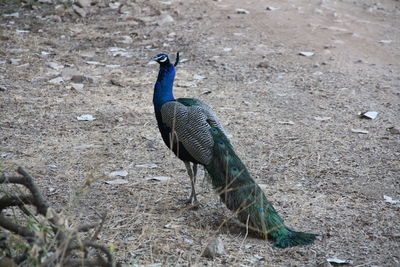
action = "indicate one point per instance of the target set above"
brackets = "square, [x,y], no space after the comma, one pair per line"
[242,11]
[57,80]
[77,86]
[55,65]
[14,61]
[114,5]
[81,78]
[13,15]
[85,117]
[214,248]
[83,3]
[80,11]
[263,65]
[165,20]
[393,130]
[270,8]
[121,173]
[306,54]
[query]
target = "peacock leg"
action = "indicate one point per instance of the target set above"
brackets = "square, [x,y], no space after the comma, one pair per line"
[192,175]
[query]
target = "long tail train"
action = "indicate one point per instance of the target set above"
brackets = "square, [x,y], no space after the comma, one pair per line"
[241,194]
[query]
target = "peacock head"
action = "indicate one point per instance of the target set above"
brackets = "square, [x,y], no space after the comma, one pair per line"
[162,59]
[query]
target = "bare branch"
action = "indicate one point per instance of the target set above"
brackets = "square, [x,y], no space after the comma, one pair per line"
[8,201]
[66,241]
[15,228]
[40,203]
[87,243]
[4,179]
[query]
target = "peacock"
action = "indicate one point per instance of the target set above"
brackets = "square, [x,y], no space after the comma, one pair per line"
[190,128]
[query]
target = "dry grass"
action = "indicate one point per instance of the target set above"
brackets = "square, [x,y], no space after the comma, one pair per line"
[321,177]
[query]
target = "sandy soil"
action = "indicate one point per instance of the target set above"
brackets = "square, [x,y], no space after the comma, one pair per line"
[291,118]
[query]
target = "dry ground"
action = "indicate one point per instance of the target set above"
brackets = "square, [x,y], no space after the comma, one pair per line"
[321,177]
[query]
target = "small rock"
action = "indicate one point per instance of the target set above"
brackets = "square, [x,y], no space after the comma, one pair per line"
[3,88]
[83,3]
[263,65]
[121,173]
[393,130]
[157,178]
[165,20]
[77,86]
[306,54]
[339,261]
[80,11]
[385,41]
[123,9]
[259,258]
[117,182]
[369,115]
[14,61]
[114,5]
[57,80]
[270,8]
[52,166]
[45,1]
[93,63]
[45,54]
[55,65]
[85,117]
[390,200]
[116,82]
[146,165]
[111,66]
[214,248]
[119,52]
[360,131]
[81,78]
[13,15]
[227,49]
[242,11]
[317,118]
[198,77]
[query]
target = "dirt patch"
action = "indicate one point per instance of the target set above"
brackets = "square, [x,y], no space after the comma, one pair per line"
[321,177]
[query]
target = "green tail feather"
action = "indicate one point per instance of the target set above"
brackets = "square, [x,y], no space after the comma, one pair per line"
[241,194]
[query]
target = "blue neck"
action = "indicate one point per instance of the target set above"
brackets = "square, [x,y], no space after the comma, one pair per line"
[163,87]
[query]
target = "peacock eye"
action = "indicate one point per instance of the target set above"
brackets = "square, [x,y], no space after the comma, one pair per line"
[221,142]
[235,169]
[214,130]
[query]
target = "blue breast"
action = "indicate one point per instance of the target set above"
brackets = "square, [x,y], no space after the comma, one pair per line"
[163,93]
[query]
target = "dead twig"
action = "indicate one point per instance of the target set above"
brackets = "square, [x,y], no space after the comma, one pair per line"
[65,242]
